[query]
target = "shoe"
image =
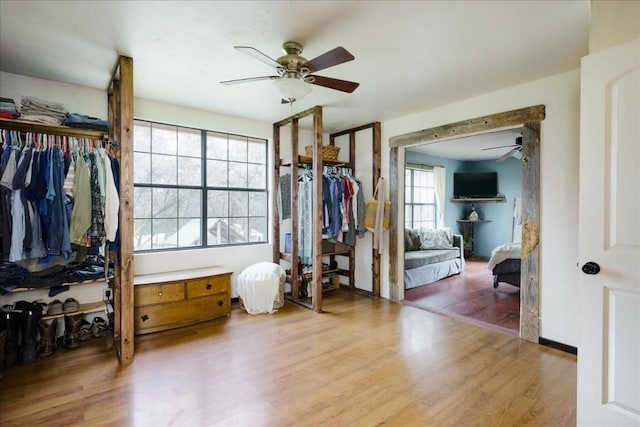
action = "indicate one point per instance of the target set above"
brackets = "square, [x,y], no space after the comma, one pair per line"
[48,331]
[86,332]
[70,305]
[72,330]
[29,320]
[99,327]
[3,338]
[10,322]
[55,307]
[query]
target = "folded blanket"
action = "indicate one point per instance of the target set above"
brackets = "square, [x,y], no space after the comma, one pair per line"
[503,252]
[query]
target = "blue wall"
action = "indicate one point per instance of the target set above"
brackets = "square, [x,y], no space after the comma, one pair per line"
[487,235]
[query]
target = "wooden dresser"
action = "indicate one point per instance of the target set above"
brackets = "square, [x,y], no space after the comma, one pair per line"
[171,300]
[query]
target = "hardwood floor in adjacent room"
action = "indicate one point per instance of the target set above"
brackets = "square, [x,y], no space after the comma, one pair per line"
[364,362]
[470,296]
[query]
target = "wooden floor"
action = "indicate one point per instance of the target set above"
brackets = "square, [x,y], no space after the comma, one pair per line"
[365,362]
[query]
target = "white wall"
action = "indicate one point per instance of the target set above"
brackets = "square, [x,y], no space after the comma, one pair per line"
[613,22]
[558,185]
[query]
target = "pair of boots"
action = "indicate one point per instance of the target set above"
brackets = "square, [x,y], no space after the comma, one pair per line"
[21,328]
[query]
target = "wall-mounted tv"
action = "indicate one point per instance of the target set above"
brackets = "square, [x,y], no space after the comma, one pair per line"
[475,185]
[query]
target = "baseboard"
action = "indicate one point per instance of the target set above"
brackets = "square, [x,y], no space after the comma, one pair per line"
[558,346]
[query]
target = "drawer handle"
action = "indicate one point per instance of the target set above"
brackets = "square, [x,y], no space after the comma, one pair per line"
[160,294]
[144,317]
[209,286]
[220,303]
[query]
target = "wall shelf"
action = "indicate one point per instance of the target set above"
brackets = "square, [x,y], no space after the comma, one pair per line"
[479,200]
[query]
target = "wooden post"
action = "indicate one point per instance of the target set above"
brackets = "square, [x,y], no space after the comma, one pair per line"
[317,210]
[121,120]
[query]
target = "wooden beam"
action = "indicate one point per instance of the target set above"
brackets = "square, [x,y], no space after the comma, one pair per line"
[125,109]
[465,127]
[394,165]
[300,115]
[529,276]
[317,210]
[274,191]
[295,220]
[356,129]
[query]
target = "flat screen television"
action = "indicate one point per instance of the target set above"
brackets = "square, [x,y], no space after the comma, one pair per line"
[475,185]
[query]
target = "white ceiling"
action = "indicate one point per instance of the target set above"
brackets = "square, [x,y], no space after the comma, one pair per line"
[409,56]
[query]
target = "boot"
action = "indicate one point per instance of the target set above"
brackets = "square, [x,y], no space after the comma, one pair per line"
[11,324]
[48,332]
[3,337]
[72,325]
[29,319]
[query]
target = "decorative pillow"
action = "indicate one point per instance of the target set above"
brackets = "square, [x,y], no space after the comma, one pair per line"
[435,239]
[411,240]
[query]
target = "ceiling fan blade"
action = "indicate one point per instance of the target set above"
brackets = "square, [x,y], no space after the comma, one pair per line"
[501,146]
[255,53]
[508,154]
[337,84]
[249,80]
[335,56]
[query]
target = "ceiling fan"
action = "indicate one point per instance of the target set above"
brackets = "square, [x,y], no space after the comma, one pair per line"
[515,151]
[294,73]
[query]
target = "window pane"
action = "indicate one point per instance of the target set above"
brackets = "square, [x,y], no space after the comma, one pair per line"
[189,142]
[257,204]
[142,202]
[141,136]
[217,204]
[407,216]
[216,173]
[238,175]
[257,176]
[189,171]
[141,234]
[239,203]
[258,229]
[238,230]
[164,139]
[189,232]
[165,203]
[257,152]
[165,233]
[216,146]
[141,168]
[237,148]
[189,204]
[217,231]
[163,169]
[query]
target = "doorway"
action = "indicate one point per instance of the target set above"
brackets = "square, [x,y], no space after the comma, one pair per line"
[529,118]
[468,191]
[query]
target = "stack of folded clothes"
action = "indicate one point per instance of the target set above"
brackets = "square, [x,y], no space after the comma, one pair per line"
[41,111]
[8,108]
[76,120]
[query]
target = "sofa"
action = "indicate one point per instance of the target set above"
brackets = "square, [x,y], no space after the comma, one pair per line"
[431,255]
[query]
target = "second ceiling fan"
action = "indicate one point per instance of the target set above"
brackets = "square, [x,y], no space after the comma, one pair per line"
[295,73]
[515,151]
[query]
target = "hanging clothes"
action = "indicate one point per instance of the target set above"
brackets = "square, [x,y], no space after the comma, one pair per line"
[54,192]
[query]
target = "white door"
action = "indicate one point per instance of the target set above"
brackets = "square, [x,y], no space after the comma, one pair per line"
[609,299]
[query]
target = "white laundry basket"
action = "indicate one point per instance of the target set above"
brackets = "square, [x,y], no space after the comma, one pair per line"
[261,288]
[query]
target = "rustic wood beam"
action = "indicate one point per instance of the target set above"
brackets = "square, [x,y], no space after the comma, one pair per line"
[466,127]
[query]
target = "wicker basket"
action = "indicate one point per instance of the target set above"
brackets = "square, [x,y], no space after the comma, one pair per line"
[329,152]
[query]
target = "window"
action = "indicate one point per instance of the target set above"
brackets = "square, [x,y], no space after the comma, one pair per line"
[197,188]
[420,198]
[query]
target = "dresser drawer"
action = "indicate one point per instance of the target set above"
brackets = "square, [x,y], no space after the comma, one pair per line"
[158,293]
[176,314]
[207,286]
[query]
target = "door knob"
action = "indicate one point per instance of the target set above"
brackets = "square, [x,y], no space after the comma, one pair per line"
[591,268]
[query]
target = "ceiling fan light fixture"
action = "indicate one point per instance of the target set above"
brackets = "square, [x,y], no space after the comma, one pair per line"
[292,88]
